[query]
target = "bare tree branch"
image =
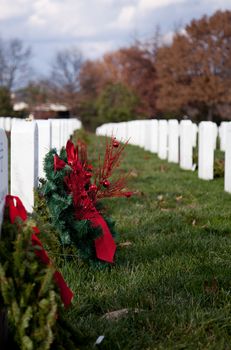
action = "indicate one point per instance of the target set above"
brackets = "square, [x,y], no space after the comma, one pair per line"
[66,69]
[14,63]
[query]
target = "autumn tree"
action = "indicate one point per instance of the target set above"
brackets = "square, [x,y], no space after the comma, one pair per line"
[134,67]
[194,72]
[130,70]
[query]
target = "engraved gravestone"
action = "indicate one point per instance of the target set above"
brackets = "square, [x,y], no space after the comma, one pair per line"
[3,171]
[24,162]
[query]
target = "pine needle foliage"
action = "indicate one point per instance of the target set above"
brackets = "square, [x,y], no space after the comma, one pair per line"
[27,292]
[31,314]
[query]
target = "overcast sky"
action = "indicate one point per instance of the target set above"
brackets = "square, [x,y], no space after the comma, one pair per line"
[95,26]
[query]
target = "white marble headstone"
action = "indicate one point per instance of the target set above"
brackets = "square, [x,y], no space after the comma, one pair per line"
[173,141]
[44,143]
[143,133]
[186,144]
[228,160]
[215,135]
[194,134]
[121,131]
[154,135]
[66,134]
[3,172]
[223,135]
[24,162]
[56,134]
[163,139]
[206,150]
[2,123]
[148,134]
[133,130]
[8,121]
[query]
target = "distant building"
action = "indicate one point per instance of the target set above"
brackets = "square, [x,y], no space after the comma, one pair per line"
[50,110]
[20,106]
[43,111]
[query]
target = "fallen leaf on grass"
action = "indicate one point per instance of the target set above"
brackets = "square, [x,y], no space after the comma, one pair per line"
[163,168]
[179,198]
[194,223]
[125,244]
[204,226]
[115,315]
[211,288]
[133,173]
[160,197]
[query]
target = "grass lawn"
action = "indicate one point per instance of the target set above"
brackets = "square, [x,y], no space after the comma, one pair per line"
[174,277]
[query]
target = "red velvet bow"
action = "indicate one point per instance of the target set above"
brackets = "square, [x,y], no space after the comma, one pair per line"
[72,155]
[17,209]
[58,163]
[105,245]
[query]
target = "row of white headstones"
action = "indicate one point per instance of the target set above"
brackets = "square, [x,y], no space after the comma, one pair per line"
[174,141]
[29,143]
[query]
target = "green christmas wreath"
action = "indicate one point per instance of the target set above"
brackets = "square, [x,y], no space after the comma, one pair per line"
[72,191]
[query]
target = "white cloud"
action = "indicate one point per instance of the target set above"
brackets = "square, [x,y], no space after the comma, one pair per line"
[152,4]
[167,38]
[125,18]
[36,21]
[13,8]
[69,17]
[96,49]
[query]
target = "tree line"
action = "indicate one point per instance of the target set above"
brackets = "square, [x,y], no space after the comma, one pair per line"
[148,79]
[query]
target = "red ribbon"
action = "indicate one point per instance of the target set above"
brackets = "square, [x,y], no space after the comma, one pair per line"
[104,245]
[41,253]
[17,209]
[72,155]
[59,164]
